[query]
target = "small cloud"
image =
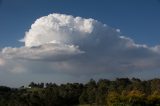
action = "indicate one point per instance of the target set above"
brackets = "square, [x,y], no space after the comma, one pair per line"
[118,30]
[22,40]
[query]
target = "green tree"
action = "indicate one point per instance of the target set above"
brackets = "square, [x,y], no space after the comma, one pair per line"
[91,91]
[113,98]
[102,91]
[154,99]
[136,98]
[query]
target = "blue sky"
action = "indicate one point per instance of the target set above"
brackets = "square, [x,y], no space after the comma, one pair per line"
[63,48]
[138,19]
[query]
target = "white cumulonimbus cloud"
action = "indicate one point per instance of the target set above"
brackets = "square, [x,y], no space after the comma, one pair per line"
[71,45]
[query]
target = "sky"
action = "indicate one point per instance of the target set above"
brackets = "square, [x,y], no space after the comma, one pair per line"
[114,38]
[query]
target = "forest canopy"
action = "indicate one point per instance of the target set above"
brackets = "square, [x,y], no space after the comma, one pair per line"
[104,92]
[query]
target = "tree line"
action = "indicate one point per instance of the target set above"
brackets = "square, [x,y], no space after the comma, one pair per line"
[104,92]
